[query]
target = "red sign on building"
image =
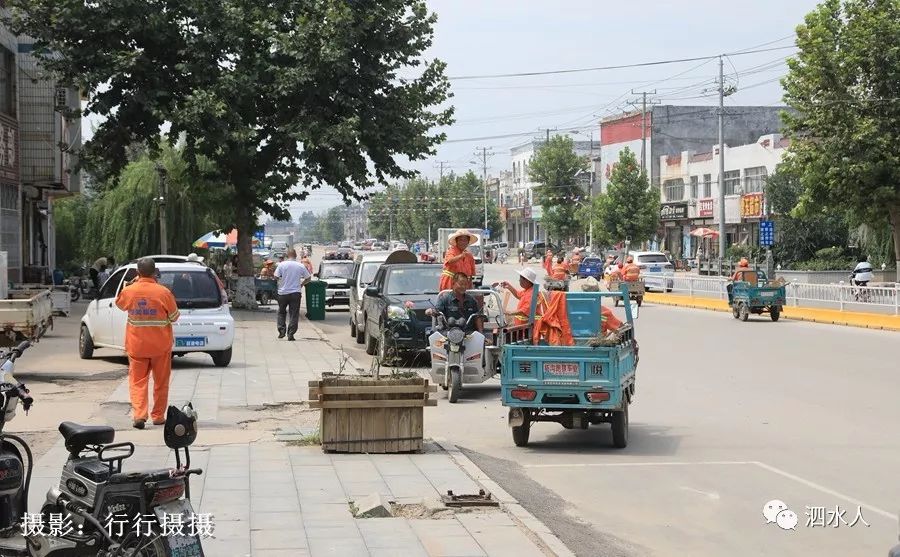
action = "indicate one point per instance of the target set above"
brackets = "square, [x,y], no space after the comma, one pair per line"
[705,207]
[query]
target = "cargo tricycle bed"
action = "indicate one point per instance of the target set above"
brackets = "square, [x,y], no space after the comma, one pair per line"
[589,383]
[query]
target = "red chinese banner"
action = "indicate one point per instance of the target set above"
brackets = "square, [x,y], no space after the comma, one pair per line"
[706,208]
[752,205]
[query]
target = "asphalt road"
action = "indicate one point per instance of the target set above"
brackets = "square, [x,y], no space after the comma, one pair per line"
[727,417]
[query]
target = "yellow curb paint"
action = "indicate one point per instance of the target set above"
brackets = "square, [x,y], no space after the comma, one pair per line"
[826,316]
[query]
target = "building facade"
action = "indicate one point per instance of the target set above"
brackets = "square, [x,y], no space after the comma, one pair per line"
[10,179]
[523,216]
[689,194]
[356,221]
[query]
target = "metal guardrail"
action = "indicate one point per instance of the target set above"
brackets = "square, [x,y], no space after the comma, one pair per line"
[878,299]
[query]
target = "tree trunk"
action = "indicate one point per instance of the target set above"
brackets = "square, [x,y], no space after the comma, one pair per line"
[894,212]
[245,290]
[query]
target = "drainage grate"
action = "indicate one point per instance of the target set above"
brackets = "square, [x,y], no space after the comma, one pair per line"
[481,499]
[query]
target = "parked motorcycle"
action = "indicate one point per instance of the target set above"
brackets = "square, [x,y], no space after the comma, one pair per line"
[81,287]
[90,511]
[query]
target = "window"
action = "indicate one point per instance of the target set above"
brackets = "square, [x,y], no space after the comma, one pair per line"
[10,228]
[754,179]
[192,289]
[707,185]
[732,181]
[674,189]
[423,279]
[7,82]
[652,258]
[369,268]
[108,290]
[695,180]
[336,270]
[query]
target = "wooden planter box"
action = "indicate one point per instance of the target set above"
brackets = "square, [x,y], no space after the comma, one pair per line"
[367,415]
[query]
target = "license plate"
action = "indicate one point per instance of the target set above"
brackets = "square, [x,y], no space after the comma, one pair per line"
[190,342]
[181,545]
[560,368]
[767,294]
[655,269]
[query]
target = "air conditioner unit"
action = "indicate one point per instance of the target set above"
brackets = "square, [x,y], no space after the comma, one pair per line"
[61,98]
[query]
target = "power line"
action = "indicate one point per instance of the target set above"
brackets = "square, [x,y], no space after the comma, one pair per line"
[618,66]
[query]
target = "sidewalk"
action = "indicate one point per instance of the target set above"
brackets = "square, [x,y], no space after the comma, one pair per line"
[829,316]
[271,497]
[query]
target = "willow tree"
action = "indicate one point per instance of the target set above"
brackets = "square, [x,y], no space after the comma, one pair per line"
[283,96]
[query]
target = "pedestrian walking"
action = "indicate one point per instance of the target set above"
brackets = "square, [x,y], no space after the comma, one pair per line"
[291,275]
[151,309]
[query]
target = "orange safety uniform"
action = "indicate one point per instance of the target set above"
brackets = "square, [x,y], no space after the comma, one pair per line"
[307,263]
[548,262]
[151,310]
[574,263]
[523,309]
[631,272]
[465,265]
[267,270]
[554,325]
[609,321]
[560,272]
[738,271]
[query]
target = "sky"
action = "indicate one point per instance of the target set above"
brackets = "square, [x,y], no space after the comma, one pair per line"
[489,37]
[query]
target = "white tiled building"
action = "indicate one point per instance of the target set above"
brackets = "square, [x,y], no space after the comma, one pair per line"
[689,193]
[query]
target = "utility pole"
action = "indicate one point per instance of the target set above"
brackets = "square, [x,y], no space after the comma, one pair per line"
[643,95]
[441,166]
[163,229]
[721,112]
[484,152]
[547,132]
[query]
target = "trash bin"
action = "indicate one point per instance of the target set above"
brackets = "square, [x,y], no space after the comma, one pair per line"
[315,300]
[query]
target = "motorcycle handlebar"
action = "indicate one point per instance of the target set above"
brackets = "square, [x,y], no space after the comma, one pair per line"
[18,350]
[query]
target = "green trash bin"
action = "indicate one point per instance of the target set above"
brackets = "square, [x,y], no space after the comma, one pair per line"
[315,300]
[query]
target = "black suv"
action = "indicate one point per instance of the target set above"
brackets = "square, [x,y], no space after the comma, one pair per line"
[394,308]
[537,250]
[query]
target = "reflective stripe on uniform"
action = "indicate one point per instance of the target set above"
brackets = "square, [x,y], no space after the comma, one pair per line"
[148,323]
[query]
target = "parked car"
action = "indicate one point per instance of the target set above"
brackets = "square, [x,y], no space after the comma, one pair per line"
[537,250]
[205,323]
[500,248]
[656,270]
[364,269]
[336,274]
[591,267]
[394,307]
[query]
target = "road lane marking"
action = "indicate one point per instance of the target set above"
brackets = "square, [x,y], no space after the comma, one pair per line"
[768,467]
[661,463]
[708,494]
[823,489]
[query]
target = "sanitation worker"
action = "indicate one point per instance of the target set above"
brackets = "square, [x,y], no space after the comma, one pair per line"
[151,309]
[527,278]
[458,259]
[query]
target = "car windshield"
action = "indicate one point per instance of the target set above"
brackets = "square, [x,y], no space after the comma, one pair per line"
[336,270]
[652,258]
[591,261]
[192,289]
[418,280]
[367,273]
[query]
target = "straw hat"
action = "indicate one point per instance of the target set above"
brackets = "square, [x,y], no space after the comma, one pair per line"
[462,232]
[529,275]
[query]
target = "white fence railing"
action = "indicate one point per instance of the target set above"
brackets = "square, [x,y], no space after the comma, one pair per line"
[879,299]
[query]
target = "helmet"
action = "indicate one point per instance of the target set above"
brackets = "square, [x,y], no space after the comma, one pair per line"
[181,426]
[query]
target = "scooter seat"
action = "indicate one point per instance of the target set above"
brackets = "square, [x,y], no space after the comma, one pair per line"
[79,436]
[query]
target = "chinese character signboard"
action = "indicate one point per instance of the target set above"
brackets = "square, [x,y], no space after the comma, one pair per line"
[766,233]
[705,208]
[752,205]
[9,148]
[673,211]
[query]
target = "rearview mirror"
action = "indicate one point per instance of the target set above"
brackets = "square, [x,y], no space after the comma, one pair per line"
[372,291]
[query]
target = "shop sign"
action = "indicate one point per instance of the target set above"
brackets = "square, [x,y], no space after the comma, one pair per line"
[7,146]
[752,205]
[673,211]
[705,208]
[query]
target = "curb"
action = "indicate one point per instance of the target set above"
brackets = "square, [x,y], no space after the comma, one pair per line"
[508,503]
[669,302]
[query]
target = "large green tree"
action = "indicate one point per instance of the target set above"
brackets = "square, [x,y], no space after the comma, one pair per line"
[801,235]
[331,224]
[630,208]
[282,96]
[555,167]
[844,84]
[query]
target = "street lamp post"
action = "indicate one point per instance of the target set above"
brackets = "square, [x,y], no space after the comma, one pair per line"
[163,229]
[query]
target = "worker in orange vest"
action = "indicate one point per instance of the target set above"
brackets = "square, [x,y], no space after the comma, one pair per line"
[575,261]
[554,327]
[457,259]
[743,265]
[548,262]
[151,309]
[560,270]
[527,279]
[631,272]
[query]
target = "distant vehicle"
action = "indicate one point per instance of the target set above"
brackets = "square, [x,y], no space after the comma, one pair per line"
[537,250]
[591,267]
[336,274]
[279,247]
[400,246]
[500,248]
[346,244]
[656,270]
[205,324]
[394,308]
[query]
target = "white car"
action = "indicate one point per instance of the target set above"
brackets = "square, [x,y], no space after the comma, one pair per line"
[205,323]
[656,270]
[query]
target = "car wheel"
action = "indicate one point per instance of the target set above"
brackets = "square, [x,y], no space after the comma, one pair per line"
[620,427]
[743,311]
[521,433]
[353,331]
[221,358]
[85,343]
[775,312]
[371,344]
[360,335]
[455,386]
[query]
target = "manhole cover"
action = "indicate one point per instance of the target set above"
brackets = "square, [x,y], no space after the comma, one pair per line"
[480,499]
